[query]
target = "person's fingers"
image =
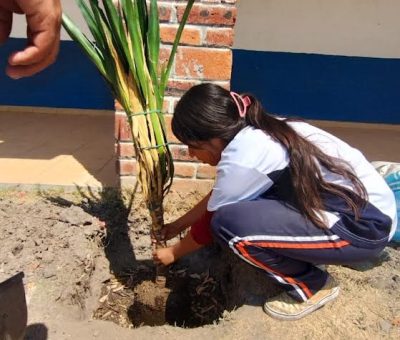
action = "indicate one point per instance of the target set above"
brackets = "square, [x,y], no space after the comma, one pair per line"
[41,45]
[32,57]
[156,259]
[164,234]
[20,71]
[156,237]
[44,22]
[5,24]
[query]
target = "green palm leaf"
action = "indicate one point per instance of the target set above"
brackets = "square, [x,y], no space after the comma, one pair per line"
[88,47]
[126,51]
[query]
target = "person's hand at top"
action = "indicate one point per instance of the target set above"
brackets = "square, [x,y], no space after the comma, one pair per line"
[43,18]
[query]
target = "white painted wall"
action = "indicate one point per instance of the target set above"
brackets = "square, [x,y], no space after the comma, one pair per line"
[69,7]
[335,27]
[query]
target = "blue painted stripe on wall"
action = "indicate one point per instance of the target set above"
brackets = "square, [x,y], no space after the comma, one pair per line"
[72,82]
[322,87]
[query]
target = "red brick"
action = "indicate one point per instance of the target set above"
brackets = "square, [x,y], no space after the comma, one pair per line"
[122,129]
[178,86]
[204,63]
[179,184]
[205,172]
[219,37]
[185,170]
[170,136]
[207,14]
[219,1]
[164,12]
[175,101]
[190,36]
[125,150]
[180,153]
[166,105]
[225,84]
[214,20]
[164,56]
[126,167]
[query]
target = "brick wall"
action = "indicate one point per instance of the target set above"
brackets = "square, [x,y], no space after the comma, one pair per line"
[204,55]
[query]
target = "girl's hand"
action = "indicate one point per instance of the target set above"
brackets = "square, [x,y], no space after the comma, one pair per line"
[164,256]
[183,247]
[170,230]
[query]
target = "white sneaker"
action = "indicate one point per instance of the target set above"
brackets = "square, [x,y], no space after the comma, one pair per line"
[284,307]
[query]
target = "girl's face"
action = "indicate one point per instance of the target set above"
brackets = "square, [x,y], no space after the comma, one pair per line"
[208,152]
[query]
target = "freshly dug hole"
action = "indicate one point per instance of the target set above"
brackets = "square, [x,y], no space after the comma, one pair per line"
[149,304]
[188,300]
[199,289]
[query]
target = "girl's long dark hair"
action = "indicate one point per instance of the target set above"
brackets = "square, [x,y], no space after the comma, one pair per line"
[208,111]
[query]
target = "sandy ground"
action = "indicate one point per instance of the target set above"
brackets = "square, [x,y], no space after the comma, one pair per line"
[84,254]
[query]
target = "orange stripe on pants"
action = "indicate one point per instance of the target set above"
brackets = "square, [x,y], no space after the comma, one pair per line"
[290,245]
[241,247]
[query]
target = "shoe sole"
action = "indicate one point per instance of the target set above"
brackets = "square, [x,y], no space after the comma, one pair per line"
[312,308]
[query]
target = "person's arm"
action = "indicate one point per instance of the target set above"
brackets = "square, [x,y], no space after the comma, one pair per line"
[169,255]
[170,230]
[43,19]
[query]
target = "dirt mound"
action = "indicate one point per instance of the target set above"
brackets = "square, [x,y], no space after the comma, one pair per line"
[54,245]
[88,274]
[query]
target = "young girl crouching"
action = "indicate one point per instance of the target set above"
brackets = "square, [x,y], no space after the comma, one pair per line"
[287,197]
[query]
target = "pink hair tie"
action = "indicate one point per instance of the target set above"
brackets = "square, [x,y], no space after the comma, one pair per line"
[246,102]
